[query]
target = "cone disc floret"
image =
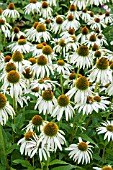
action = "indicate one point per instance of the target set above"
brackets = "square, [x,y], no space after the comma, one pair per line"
[60,62]
[37,120]
[51,129]
[13,76]
[33,1]
[72,7]
[82,83]
[11,6]
[7,58]
[62,43]
[47,50]
[44,4]
[63,100]
[32,60]
[3,101]
[85,30]
[42,60]
[41,27]
[17,56]
[102,63]
[59,20]
[107,168]
[28,135]
[47,95]
[83,51]
[27,73]
[21,41]
[92,38]
[39,46]
[95,47]
[82,146]
[2,22]
[109,128]
[10,66]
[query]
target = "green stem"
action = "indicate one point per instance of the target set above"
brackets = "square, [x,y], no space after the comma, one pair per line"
[96,88]
[46,116]
[4,156]
[61,83]
[41,163]
[47,165]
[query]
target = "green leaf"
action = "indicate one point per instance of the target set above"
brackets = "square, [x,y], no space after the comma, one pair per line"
[57,161]
[12,148]
[67,167]
[87,138]
[24,163]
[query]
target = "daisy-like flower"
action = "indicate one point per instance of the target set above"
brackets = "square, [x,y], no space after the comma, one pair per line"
[52,137]
[85,15]
[44,84]
[83,36]
[48,52]
[102,102]
[108,18]
[80,152]
[107,167]
[5,109]
[88,107]
[13,84]
[61,46]
[80,91]
[27,76]
[102,40]
[81,4]
[57,25]
[45,10]
[73,10]
[33,7]
[5,27]
[40,34]
[82,57]
[21,45]
[62,67]
[34,146]
[109,90]
[16,33]
[36,122]
[63,106]
[68,33]
[96,23]
[24,142]
[92,39]
[107,129]
[47,100]
[11,12]
[36,50]
[71,22]
[42,67]
[18,60]
[101,72]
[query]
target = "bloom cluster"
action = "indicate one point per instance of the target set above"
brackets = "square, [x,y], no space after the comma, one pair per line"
[63,65]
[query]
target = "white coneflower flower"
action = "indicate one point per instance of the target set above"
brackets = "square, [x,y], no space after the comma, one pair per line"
[63,106]
[101,72]
[18,60]
[48,52]
[81,4]
[82,57]
[92,39]
[21,45]
[83,36]
[85,16]
[62,67]
[46,102]
[73,10]
[71,22]
[5,27]
[107,167]
[102,40]
[96,23]
[102,102]
[27,76]
[36,50]
[52,137]
[36,122]
[88,107]
[40,34]
[11,12]
[42,68]
[5,109]
[24,142]
[45,10]
[109,90]
[44,84]
[16,33]
[107,129]
[33,7]
[80,91]
[30,33]
[33,147]
[57,25]
[80,152]
[13,84]
[108,18]
[67,33]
